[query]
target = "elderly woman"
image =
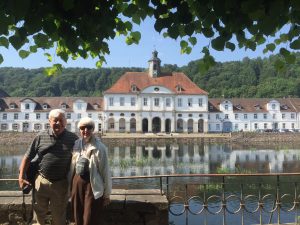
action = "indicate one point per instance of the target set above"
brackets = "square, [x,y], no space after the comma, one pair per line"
[91,184]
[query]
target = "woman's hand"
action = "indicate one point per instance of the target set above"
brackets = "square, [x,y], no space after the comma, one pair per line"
[106,201]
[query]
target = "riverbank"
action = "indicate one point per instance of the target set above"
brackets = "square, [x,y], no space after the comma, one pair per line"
[238,138]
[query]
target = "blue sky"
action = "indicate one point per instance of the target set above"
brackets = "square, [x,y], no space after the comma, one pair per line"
[122,55]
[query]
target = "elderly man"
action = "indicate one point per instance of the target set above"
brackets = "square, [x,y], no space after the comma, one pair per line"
[54,148]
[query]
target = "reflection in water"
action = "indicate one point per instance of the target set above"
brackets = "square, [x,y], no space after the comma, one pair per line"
[183,159]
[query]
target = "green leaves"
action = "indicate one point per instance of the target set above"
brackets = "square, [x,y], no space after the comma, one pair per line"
[4,42]
[133,38]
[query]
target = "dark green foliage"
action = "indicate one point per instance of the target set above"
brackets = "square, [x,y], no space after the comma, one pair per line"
[247,78]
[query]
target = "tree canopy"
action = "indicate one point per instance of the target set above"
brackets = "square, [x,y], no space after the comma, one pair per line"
[80,28]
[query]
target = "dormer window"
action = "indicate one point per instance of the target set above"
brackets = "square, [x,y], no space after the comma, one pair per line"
[179,88]
[156,89]
[284,107]
[45,106]
[257,107]
[63,105]
[95,106]
[239,107]
[133,88]
[12,106]
[27,106]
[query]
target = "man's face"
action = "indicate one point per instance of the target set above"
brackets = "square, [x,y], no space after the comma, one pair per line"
[58,124]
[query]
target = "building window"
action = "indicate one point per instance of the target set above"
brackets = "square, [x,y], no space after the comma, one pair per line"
[226,107]
[16,116]
[226,116]
[274,116]
[145,101]
[12,106]
[122,101]
[38,116]
[217,126]
[90,115]
[255,126]
[283,125]
[265,126]
[27,106]
[246,126]
[45,106]
[79,106]
[273,106]
[168,102]
[133,114]
[37,126]
[63,106]
[4,126]
[255,116]
[265,116]
[47,115]
[111,101]
[68,115]
[179,115]
[112,125]
[283,116]
[217,116]
[190,115]
[156,101]
[245,116]
[132,101]
[79,116]
[200,102]
[292,116]
[236,116]
[15,126]
[99,127]
[236,126]
[122,114]
[47,126]
[190,102]
[179,103]
[4,116]
[26,116]
[293,126]
[208,116]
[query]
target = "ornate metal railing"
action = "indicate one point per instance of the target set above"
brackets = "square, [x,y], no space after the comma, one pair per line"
[231,198]
[225,198]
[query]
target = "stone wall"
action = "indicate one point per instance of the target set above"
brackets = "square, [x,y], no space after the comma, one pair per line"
[128,207]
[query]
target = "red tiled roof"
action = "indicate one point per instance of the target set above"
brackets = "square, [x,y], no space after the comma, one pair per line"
[255,104]
[142,80]
[51,102]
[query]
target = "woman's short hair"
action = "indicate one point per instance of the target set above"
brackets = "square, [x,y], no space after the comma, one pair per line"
[54,113]
[86,121]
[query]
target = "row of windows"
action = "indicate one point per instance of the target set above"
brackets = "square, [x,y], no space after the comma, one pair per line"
[256,126]
[38,116]
[156,101]
[255,116]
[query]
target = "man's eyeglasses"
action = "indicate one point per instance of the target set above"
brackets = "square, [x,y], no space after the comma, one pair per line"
[89,127]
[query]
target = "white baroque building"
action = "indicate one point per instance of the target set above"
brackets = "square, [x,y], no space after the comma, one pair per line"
[153,102]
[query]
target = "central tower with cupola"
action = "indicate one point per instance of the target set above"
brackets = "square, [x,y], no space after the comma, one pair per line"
[154,65]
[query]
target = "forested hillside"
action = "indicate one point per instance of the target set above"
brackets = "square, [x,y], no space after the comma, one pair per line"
[246,78]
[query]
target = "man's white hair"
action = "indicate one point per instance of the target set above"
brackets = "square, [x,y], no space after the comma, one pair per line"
[56,112]
[86,121]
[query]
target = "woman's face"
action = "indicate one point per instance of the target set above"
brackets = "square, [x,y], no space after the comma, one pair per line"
[86,131]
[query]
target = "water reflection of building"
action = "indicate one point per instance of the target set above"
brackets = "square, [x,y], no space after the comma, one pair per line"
[192,158]
[184,158]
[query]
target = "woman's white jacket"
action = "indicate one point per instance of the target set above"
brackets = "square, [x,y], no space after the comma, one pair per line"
[100,177]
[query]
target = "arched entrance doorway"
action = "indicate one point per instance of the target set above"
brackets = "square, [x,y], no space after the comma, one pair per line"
[122,125]
[168,126]
[200,126]
[190,126]
[132,125]
[179,127]
[145,125]
[156,125]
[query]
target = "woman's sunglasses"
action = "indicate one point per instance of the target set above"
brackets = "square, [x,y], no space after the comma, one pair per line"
[89,127]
